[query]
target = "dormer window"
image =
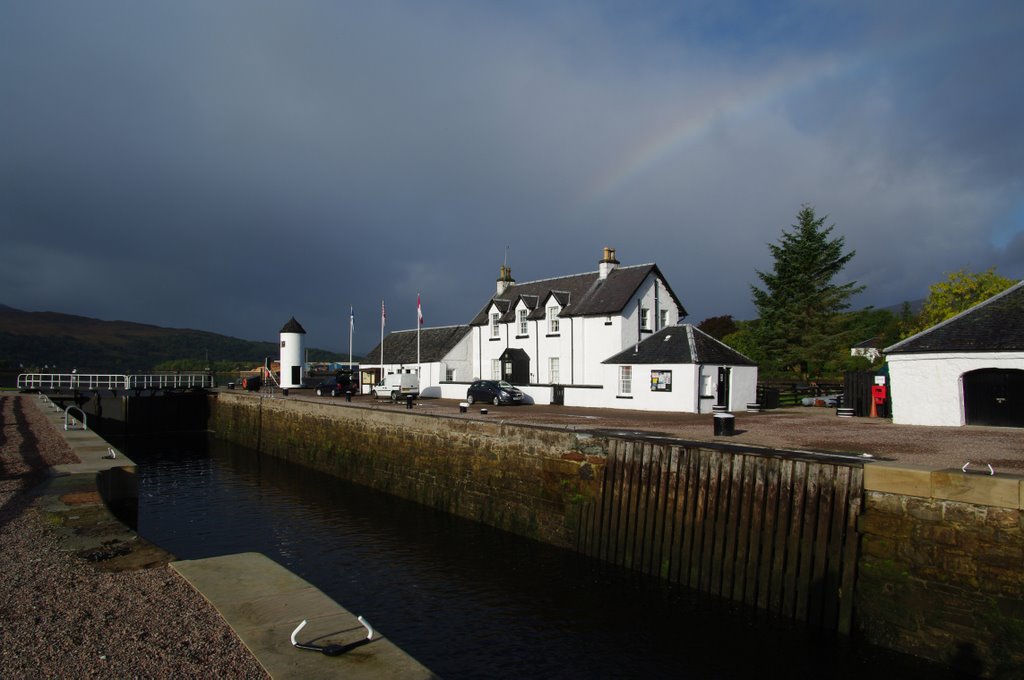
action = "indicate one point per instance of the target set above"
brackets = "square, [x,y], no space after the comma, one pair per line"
[524,329]
[495,325]
[664,318]
[645,318]
[552,320]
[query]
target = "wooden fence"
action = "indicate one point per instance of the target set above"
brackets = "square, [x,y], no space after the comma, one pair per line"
[771,532]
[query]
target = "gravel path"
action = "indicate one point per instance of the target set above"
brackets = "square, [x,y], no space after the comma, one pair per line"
[62,617]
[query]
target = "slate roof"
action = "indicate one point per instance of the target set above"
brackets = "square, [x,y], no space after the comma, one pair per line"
[578,294]
[682,344]
[995,325]
[400,346]
[293,326]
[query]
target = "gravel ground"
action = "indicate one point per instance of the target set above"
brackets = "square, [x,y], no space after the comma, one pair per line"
[61,616]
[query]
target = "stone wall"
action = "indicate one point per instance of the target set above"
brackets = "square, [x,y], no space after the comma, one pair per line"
[530,481]
[941,572]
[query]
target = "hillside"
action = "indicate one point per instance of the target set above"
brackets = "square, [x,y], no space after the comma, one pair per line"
[37,339]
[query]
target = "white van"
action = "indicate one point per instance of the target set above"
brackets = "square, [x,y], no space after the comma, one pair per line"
[397,386]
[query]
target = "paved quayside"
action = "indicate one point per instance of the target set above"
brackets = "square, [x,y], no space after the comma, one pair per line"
[264,602]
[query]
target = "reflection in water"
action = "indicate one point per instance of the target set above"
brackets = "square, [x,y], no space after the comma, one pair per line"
[466,600]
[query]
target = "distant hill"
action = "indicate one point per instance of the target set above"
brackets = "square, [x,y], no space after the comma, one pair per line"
[37,339]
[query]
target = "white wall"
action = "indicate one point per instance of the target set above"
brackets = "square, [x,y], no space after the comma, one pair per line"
[927,389]
[291,355]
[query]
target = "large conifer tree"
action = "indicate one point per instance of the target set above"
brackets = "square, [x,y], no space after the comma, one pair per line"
[800,305]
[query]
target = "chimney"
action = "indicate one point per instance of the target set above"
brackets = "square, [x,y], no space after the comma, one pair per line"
[505,280]
[607,263]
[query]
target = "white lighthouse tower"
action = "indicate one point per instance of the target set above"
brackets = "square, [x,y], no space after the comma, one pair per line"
[291,353]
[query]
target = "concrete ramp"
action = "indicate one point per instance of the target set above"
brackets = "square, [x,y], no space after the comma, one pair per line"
[263,602]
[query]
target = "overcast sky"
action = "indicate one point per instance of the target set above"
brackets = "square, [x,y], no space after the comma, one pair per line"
[227,165]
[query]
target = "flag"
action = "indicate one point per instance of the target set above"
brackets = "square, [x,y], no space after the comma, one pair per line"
[351,317]
[383,315]
[419,309]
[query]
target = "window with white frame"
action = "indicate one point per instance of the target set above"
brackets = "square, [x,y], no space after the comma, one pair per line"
[495,369]
[523,328]
[664,318]
[625,380]
[645,318]
[553,376]
[552,319]
[449,374]
[495,325]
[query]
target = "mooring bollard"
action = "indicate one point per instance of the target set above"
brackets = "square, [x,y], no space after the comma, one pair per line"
[725,424]
[408,401]
[348,395]
[463,407]
[483,411]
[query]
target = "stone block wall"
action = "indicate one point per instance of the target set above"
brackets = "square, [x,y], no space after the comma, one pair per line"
[527,480]
[941,570]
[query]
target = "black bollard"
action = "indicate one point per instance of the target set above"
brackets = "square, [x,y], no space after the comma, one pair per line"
[725,424]
[408,401]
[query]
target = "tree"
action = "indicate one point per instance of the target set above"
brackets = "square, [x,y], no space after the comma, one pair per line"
[799,307]
[718,326]
[959,292]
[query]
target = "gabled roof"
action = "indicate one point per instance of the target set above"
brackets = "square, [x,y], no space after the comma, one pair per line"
[682,344]
[995,325]
[581,294]
[293,326]
[400,346]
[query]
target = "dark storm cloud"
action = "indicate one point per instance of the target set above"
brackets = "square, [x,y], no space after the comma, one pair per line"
[227,165]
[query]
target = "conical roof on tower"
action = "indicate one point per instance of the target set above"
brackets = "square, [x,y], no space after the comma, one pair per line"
[293,326]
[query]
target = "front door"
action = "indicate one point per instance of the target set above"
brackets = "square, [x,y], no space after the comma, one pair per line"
[724,373]
[994,396]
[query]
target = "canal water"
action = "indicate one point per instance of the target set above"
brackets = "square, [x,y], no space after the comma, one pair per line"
[465,600]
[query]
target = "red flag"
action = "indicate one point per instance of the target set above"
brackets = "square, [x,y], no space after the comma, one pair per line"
[419,309]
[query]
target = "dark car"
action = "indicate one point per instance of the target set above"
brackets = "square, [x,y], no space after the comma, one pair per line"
[494,391]
[337,384]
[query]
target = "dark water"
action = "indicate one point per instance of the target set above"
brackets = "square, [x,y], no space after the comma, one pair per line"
[465,600]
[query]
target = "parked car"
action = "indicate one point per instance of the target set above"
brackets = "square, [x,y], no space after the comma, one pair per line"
[397,386]
[494,391]
[337,384]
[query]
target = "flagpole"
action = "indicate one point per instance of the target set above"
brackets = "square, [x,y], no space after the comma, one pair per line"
[383,317]
[351,325]
[419,322]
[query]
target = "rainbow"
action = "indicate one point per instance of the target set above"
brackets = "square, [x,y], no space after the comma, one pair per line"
[692,127]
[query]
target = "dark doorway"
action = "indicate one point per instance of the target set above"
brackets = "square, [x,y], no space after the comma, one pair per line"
[515,366]
[558,395]
[724,372]
[296,375]
[994,396]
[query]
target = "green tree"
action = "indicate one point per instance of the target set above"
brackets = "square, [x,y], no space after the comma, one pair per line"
[799,307]
[959,292]
[718,326]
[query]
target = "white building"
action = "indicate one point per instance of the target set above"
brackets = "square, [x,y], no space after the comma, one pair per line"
[444,356]
[558,331]
[967,370]
[679,368]
[291,354]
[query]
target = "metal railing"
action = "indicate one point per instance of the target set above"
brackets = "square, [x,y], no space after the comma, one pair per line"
[84,381]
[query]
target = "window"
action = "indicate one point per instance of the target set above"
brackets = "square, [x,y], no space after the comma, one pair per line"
[664,318]
[552,319]
[449,374]
[282,344]
[495,369]
[495,327]
[625,380]
[523,329]
[645,318]
[553,376]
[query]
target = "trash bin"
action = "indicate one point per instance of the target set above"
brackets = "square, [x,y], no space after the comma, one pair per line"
[725,424]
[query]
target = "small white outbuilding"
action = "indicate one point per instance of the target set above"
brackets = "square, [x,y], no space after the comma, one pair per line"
[292,349]
[967,370]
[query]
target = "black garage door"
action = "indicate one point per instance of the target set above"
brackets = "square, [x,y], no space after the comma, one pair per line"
[994,396]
